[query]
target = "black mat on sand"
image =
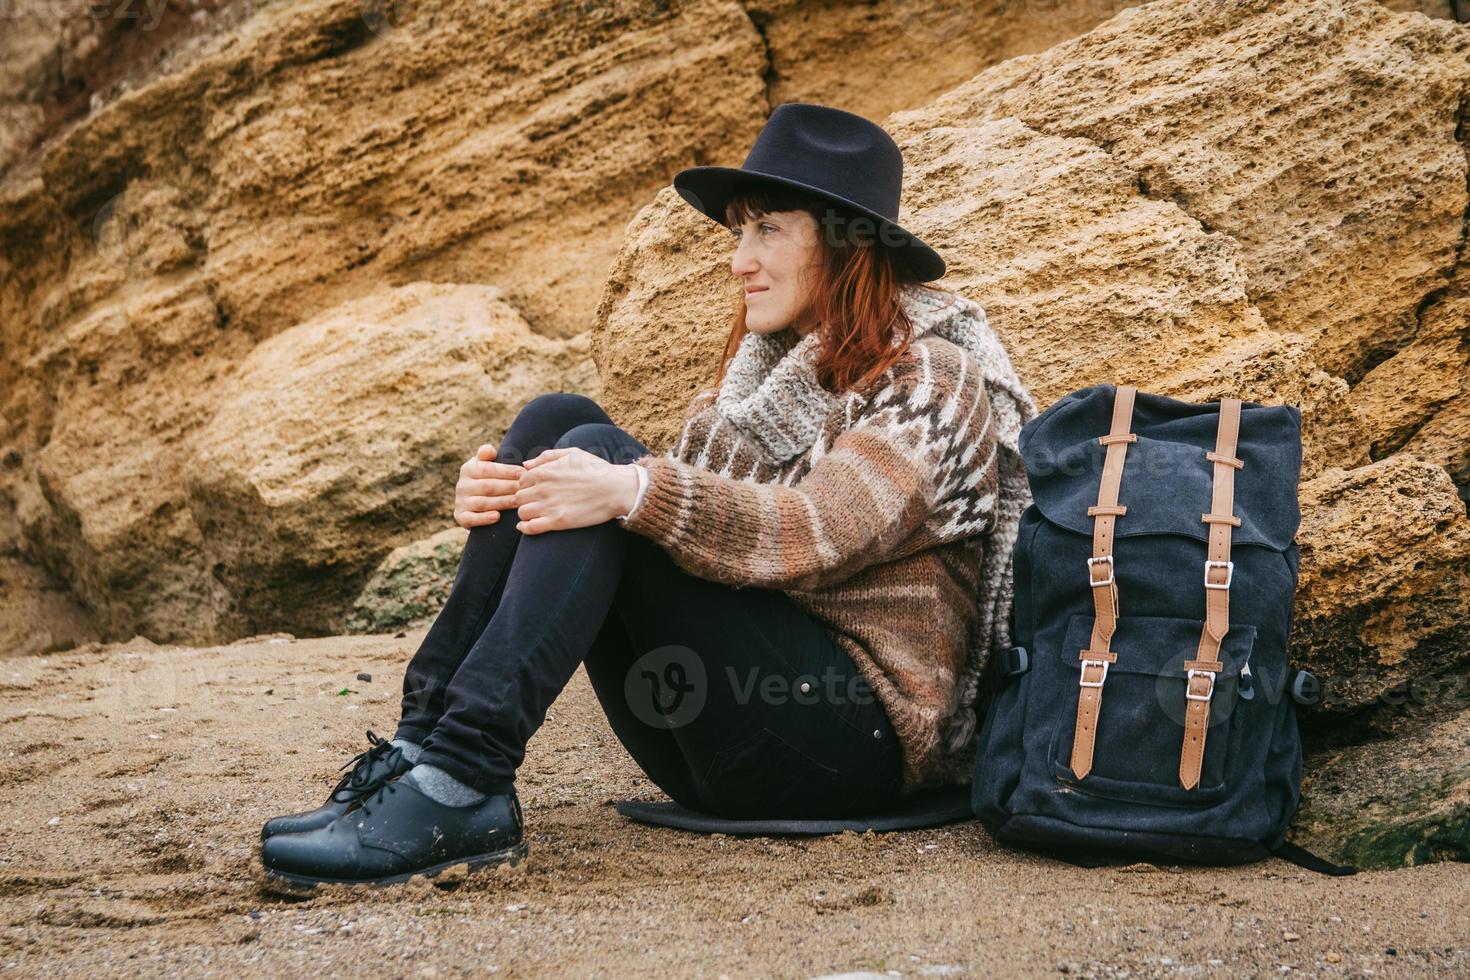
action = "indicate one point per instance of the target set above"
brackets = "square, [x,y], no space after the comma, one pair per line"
[924,809]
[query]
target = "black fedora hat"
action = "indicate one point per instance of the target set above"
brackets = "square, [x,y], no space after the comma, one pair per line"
[835,154]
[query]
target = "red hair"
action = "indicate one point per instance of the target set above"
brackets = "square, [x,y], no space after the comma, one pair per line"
[856,298]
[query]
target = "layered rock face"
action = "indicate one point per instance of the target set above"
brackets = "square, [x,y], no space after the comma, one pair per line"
[1265,200]
[180,184]
[231,292]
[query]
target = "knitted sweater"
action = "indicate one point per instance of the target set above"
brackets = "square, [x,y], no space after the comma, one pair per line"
[889,516]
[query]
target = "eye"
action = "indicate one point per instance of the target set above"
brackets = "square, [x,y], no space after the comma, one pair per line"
[763,227]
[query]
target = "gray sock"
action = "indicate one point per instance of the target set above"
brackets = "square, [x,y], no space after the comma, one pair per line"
[441,787]
[411,750]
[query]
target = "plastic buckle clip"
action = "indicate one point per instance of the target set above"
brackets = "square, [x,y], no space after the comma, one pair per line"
[1208,691]
[1083,681]
[1098,561]
[1015,661]
[1229,567]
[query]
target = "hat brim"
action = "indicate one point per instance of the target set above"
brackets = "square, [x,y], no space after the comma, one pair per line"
[708,191]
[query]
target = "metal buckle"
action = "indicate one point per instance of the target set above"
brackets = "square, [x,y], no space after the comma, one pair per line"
[1094,561]
[1229,567]
[1199,697]
[1093,663]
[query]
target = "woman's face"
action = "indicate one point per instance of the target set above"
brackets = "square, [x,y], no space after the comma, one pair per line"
[777,256]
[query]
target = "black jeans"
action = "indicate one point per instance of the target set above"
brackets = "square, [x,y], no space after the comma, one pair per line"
[732,700]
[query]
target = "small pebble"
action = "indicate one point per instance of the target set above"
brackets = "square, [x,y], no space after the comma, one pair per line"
[53,821]
[365,677]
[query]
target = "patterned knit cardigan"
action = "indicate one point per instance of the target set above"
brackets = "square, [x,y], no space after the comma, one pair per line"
[889,518]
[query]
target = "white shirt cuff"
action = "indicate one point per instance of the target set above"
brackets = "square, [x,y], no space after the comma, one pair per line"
[642,489]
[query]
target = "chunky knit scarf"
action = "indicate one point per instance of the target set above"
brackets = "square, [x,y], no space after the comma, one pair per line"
[771,394]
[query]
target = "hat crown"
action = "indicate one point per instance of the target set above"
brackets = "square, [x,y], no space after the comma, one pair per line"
[836,155]
[831,149]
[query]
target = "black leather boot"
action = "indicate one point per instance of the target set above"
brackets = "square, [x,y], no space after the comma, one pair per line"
[397,833]
[382,762]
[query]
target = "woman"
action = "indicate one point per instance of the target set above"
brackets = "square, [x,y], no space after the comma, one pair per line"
[787,614]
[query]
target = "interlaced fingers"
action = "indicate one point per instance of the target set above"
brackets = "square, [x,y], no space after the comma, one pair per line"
[360,782]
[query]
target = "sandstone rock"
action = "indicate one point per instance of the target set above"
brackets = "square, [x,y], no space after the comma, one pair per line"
[178,495]
[342,438]
[411,585]
[1385,584]
[107,410]
[37,613]
[1320,136]
[836,53]
[329,148]
[1429,8]
[282,169]
[1392,802]
[1418,400]
[58,57]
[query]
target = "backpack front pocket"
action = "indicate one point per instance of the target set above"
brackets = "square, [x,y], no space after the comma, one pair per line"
[1140,727]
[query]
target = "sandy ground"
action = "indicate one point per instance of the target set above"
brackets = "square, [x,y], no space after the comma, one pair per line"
[134,779]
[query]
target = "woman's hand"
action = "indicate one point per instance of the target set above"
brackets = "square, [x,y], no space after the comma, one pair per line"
[567,488]
[485,488]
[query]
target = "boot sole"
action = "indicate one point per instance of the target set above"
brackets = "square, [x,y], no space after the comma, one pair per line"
[510,855]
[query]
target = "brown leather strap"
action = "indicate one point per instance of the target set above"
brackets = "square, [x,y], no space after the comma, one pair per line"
[1219,571]
[1096,658]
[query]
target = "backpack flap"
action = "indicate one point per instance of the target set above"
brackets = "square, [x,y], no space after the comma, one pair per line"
[1141,722]
[1164,465]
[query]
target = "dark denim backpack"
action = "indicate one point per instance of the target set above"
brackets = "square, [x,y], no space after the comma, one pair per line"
[1148,710]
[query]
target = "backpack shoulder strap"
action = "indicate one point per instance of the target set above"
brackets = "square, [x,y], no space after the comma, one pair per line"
[1199,686]
[1097,656]
[1304,858]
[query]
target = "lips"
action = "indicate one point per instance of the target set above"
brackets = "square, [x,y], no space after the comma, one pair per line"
[757,289]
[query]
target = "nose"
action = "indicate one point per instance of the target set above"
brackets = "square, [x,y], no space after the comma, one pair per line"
[743,262]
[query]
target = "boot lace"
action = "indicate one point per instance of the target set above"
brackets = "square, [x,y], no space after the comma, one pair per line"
[360,782]
[376,798]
